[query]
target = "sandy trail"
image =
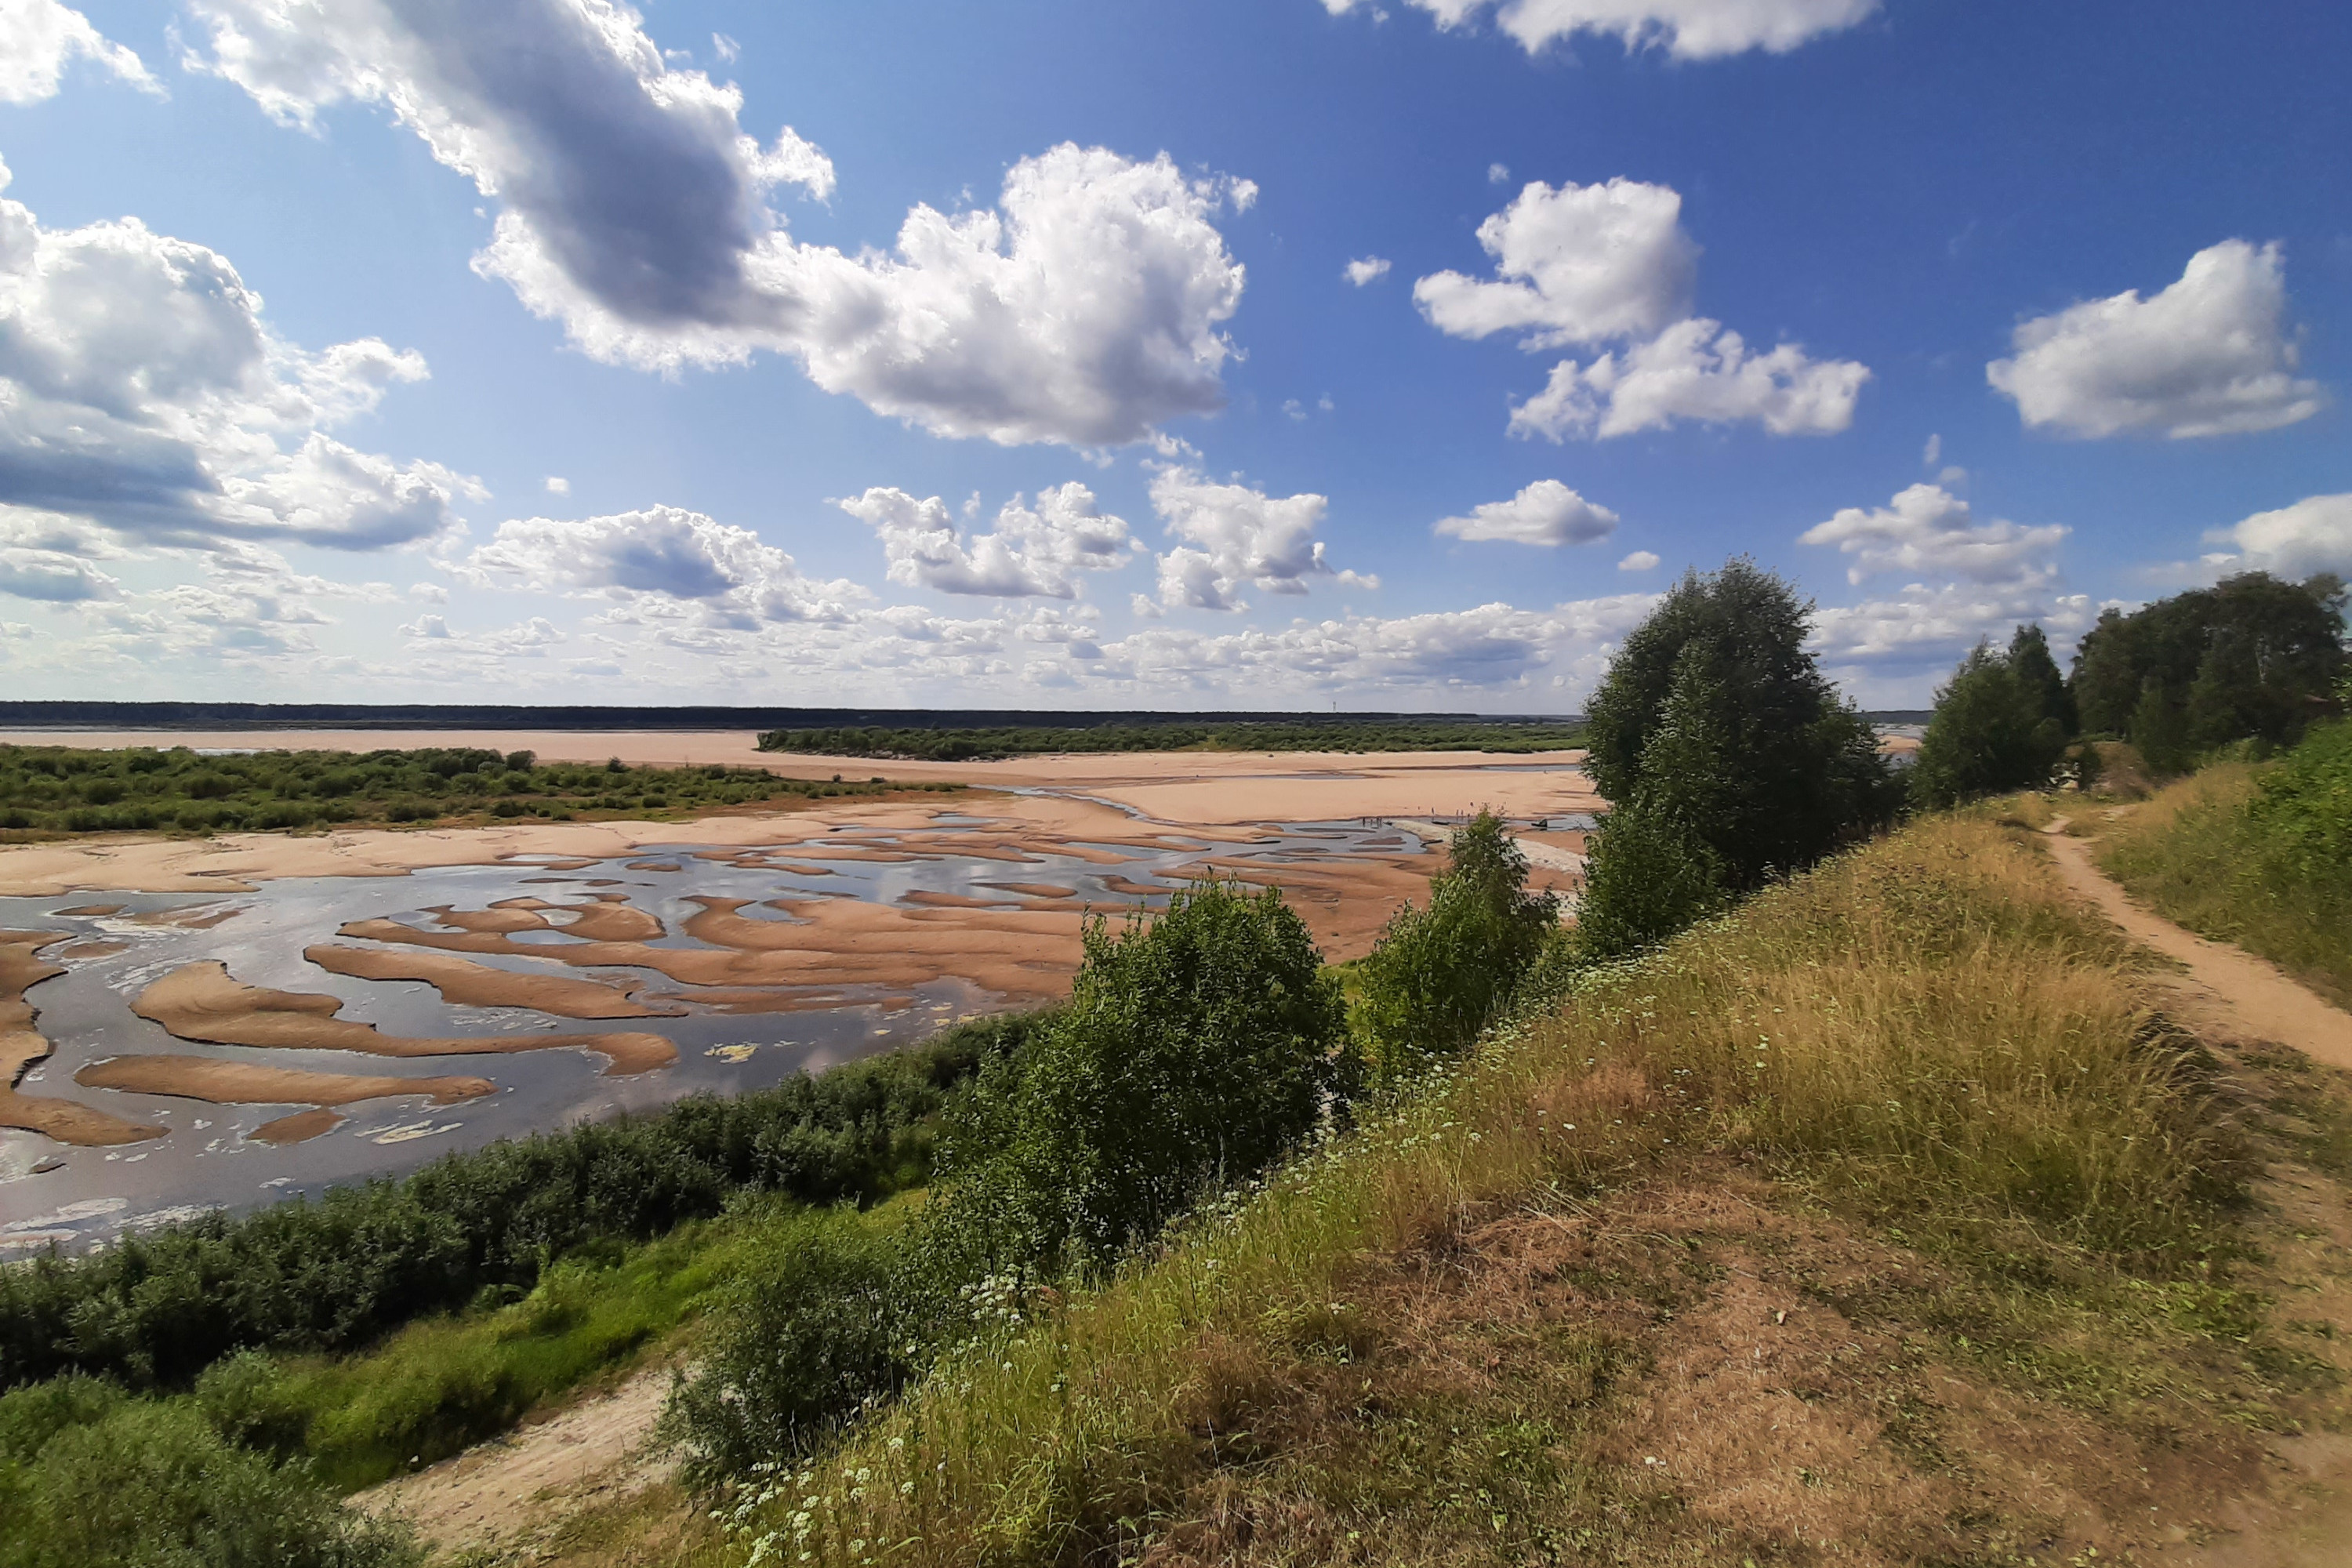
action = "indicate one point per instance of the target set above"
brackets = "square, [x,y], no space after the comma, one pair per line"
[2246,996]
[500,1495]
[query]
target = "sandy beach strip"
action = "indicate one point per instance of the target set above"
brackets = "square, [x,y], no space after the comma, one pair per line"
[201,1003]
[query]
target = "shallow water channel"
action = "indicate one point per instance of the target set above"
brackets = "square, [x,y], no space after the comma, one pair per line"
[118,945]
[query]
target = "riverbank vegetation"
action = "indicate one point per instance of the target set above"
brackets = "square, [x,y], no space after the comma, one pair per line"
[1339,733]
[49,791]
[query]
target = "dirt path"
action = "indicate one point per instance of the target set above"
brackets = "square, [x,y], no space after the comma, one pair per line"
[2303,1519]
[503,1496]
[2247,996]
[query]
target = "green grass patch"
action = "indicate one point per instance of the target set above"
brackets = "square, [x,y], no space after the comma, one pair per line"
[2259,855]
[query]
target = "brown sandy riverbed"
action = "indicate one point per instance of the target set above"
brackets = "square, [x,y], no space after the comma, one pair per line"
[202,1001]
[22,1045]
[472,985]
[244,1083]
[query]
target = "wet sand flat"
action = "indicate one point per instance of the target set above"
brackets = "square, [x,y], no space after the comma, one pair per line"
[23,1046]
[221,1082]
[202,1001]
[474,985]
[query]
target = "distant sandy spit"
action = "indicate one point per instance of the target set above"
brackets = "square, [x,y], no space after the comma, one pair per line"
[22,1045]
[234,862]
[201,1003]
[1194,787]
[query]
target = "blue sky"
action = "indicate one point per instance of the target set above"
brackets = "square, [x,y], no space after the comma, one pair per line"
[1958,314]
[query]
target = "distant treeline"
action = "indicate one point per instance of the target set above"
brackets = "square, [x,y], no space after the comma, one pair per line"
[60,789]
[1383,734]
[157,1309]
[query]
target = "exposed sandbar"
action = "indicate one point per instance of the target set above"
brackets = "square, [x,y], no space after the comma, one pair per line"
[202,1001]
[299,1128]
[22,1045]
[218,1082]
[471,985]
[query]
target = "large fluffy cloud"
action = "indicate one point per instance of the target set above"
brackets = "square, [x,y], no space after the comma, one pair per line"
[141,388]
[1084,309]
[663,556]
[1695,370]
[1034,552]
[1928,532]
[1578,265]
[2210,355]
[1589,264]
[1545,512]
[37,37]
[2312,535]
[1235,538]
[1687,29]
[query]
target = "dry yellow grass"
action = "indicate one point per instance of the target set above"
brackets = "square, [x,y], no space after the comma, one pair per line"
[1927,1036]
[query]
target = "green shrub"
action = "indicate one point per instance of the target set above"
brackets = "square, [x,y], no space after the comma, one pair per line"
[810,1326]
[1646,877]
[1997,726]
[1440,972]
[1195,1048]
[89,1477]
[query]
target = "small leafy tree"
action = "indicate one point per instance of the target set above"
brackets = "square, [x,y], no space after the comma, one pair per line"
[2038,673]
[1440,971]
[1196,1048]
[1992,729]
[1790,771]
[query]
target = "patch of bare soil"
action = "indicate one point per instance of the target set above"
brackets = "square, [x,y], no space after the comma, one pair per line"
[1705,1368]
[510,1498]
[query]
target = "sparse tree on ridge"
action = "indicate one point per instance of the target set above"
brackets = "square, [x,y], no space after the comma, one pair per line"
[1994,728]
[1769,767]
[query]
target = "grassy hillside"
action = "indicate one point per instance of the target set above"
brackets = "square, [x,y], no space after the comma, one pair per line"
[1338,735]
[47,791]
[2259,855]
[1875,1222]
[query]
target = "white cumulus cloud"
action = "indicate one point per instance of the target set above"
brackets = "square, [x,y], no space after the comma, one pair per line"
[1085,308]
[1033,552]
[141,388]
[1687,29]
[1576,265]
[1590,264]
[660,555]
[2210,355]
[1367,269]
[1545,512]
[1640,561]
[1696,370]
[1928,532]
[2312,535]
[37,37]
[1236,537]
